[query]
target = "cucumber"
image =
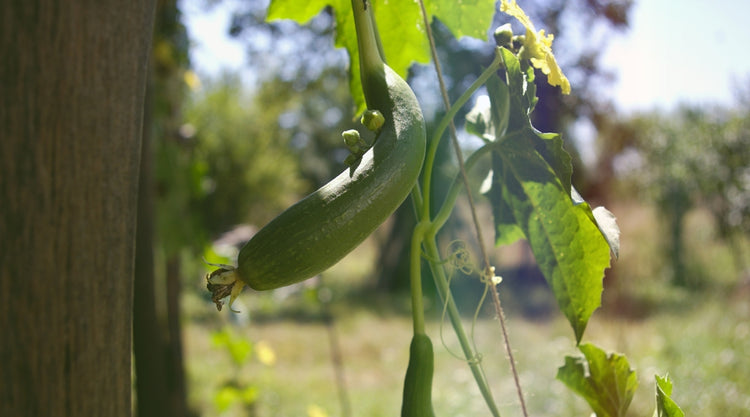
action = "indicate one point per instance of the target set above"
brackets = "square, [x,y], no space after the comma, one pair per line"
[417,400]
[316,232]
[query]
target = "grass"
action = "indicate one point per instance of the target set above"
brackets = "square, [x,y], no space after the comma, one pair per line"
[703,348]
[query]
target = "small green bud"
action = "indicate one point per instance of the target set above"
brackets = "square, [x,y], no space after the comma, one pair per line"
[373,120]
[504,35]
[352,140]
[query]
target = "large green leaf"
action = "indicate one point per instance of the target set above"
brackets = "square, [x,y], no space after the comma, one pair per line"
[463,18]
[604,380]
[300,12]
[530,189]
[400,25]
[665,406]
[569,248]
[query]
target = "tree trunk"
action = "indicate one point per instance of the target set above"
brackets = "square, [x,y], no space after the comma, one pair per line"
[177,391]
[72,82]
[149,343]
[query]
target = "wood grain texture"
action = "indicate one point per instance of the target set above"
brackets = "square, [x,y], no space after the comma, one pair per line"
[72,80]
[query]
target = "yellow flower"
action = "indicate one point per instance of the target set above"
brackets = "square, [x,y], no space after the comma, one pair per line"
[537,47]
[266,354]
[313,410]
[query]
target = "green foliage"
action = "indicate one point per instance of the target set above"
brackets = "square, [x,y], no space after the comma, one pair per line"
[244,167]
[400,25]
[530,191]
[227,396]
[234,391]
[665,406]
[239,348]
[694,158]
[567,245]
[604,380]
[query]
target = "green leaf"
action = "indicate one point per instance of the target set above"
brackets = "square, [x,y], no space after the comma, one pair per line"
[665,406]
[550,146]
[488,119]
[607,224]
[479,120]
[520,80]
[528,195]
[225,397]
[300,12]
[507,230]
[463,18]
[238,347]
[500,103]
[400,25]
[249,395]
[604,220]
[605,381]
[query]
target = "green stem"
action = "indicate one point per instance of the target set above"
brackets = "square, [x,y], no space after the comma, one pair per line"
[416,199]
[450,199]
[415,272]
[441,282]
[428,235]
[371,64]
[374,24]
[444,122]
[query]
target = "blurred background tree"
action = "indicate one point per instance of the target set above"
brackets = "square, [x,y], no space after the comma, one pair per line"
[203,147]
[692,157]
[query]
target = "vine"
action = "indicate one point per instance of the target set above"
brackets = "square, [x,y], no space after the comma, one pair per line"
[532,198]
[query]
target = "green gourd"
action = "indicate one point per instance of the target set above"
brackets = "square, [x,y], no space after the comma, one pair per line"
[417,399]
[316,232]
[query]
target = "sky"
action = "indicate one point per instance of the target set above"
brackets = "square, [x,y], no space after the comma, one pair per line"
[685,51]
[675,52]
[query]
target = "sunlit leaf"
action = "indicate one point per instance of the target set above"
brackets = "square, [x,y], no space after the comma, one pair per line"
[400,25]
[463,18]
[571,252]
[239,348]
[604,219]
[605,381]
[488,119]
[610,230]
[225,397]
[530,193]
[665,406]
[479,120]
[300,12]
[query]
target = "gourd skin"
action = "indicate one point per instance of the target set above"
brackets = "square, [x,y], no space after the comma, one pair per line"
[319,230]
[418,381]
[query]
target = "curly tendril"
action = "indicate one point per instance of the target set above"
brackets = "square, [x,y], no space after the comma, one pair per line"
[459,257]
